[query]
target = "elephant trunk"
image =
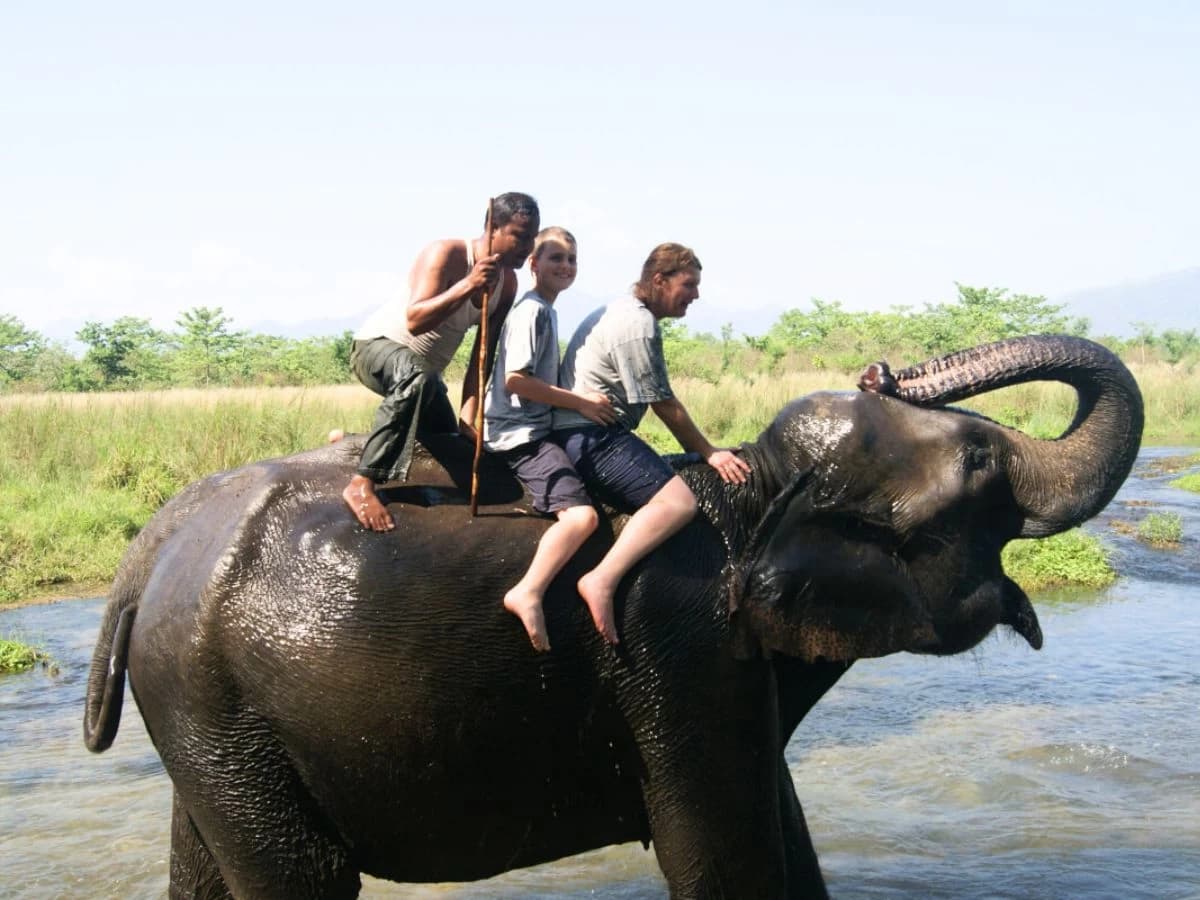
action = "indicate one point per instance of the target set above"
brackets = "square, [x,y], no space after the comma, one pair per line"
[1056,483]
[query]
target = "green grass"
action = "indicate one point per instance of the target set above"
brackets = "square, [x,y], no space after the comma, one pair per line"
[80,474]
[1161,530]
[17,656]
[1071,558]
[1188,483]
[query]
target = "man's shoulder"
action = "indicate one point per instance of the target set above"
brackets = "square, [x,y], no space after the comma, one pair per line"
[627,319]
[444,250]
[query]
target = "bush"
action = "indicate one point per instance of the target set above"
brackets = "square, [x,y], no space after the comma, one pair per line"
[1071,558]
[1188,483]
[17,656]
[1162,530]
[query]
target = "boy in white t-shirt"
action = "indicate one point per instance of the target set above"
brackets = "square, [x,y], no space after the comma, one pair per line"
[517,419]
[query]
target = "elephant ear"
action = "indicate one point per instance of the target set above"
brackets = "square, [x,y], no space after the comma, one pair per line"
[818,586]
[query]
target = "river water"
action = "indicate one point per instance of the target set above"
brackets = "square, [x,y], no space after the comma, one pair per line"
[1073,772]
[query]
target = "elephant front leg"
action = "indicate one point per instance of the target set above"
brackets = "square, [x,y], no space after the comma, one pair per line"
[804,878]
[712,795]
[718,834]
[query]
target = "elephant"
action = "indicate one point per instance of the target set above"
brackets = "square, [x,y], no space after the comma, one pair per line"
[330,701]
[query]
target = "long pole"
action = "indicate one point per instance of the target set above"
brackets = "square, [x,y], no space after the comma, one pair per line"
[482,373]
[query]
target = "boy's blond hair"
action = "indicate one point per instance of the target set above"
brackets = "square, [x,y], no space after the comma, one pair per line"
[552,233]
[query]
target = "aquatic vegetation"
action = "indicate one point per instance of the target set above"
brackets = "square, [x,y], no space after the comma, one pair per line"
[1168,465]
[1071,558]
[1188,483]
[17,656]
[1163,530]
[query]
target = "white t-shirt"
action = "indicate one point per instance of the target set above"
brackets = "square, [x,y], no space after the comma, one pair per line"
[528,344]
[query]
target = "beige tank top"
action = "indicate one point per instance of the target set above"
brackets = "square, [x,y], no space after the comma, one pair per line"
[437,346]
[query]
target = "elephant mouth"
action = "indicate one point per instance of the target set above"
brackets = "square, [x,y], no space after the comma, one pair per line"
[1020,615]
[996,602]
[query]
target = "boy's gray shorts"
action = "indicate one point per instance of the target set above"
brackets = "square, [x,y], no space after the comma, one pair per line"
[546,471]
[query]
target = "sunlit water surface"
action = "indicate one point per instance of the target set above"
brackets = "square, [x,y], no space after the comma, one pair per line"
[1073,772]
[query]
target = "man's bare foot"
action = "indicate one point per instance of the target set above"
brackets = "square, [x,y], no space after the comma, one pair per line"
[597,593]
[527,606]
[360,496]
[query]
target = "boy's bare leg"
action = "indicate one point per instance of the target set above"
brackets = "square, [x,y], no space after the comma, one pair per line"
[668,511]
[557,545]
[360,496]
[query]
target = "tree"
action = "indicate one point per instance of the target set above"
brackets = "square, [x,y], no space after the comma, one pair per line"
[980,315]
[342,345]
[19,349]
[1177,344]
[207,347]
[796,328]
[126,353]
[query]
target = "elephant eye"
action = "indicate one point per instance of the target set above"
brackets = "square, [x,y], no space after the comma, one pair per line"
[976,457]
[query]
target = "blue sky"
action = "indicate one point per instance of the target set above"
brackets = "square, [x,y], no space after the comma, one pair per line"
[287,161]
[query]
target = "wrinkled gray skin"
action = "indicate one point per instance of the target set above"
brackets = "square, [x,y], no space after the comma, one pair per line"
[330,701]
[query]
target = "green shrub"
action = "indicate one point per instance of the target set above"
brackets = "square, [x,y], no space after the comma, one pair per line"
[1188,483]
[17,656]
[1071,558]
[1161,529]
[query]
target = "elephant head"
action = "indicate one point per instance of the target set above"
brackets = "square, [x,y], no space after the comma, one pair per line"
[888,534]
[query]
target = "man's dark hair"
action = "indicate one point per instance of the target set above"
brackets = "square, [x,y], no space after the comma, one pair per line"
[509,206]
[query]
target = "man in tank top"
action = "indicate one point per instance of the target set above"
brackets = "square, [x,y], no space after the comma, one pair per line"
[402,349]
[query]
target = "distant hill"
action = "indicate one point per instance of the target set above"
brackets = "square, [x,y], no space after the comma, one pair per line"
[1170,301]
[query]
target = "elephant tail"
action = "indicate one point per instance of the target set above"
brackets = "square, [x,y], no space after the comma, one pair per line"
[106,681]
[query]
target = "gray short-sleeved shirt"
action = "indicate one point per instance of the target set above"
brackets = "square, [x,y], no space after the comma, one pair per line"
[618,351]
[529,344]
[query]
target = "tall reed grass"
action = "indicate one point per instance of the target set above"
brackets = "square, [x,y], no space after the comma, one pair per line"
[80,474]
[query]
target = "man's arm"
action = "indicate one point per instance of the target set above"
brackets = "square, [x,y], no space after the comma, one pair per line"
[674,415]
[434,296]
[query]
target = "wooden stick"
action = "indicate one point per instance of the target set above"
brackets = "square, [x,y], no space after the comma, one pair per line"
[482,373]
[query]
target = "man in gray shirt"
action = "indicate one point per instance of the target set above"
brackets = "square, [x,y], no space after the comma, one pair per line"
[618,351]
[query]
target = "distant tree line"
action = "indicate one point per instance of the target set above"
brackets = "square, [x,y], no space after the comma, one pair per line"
[128,354]
[828,336]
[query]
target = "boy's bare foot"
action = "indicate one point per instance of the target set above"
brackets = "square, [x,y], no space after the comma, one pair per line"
[527,606]
[360,496]
[597,593]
